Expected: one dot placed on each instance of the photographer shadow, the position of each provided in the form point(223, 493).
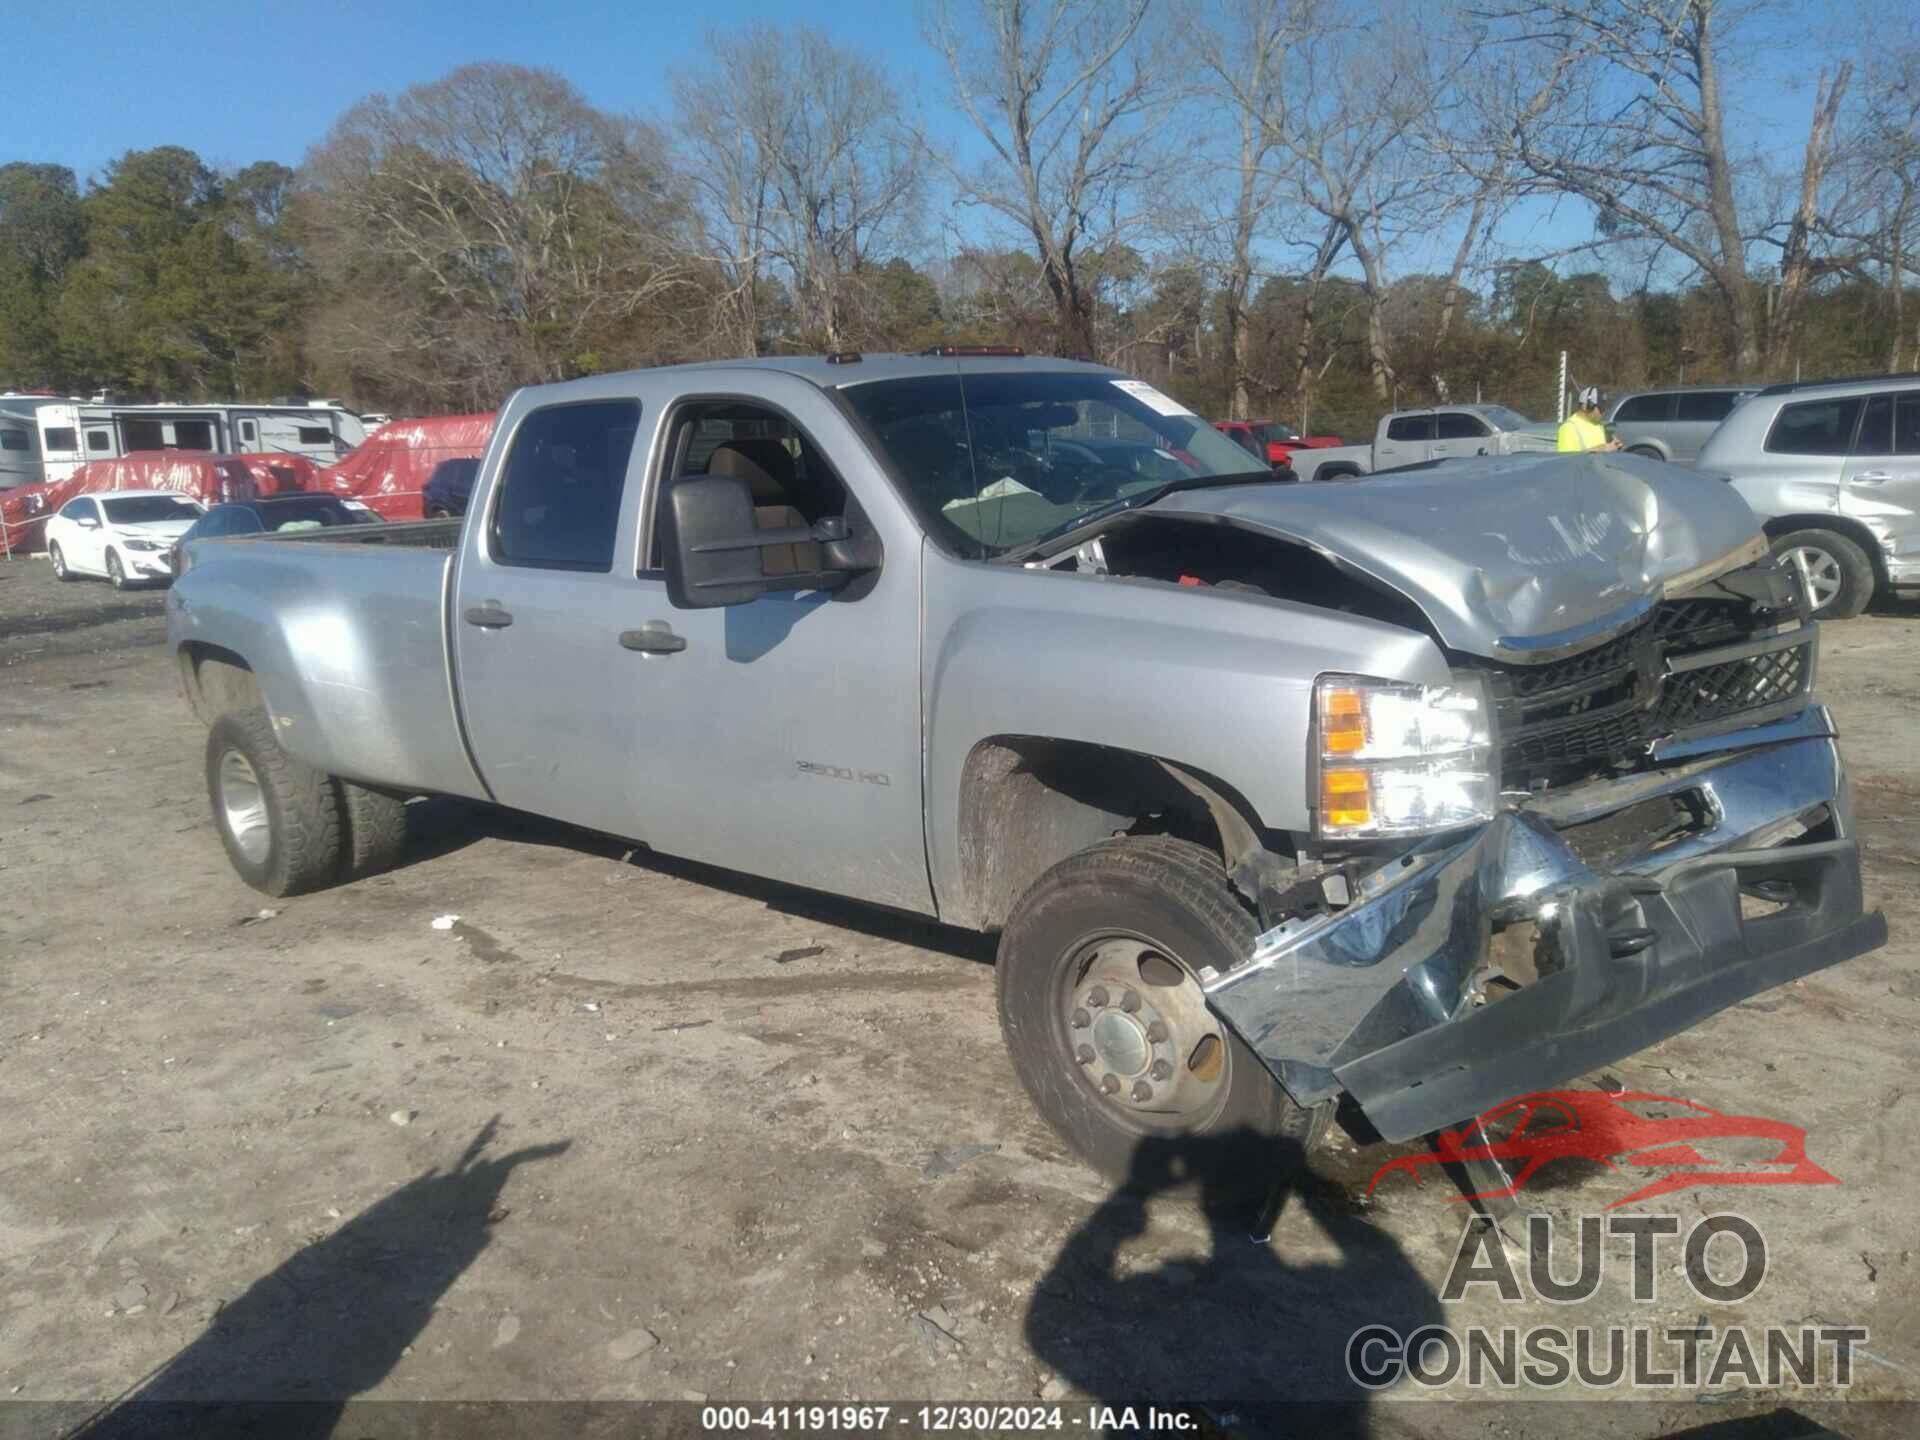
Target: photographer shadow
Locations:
point(1242, 1328)
point(329, 1323)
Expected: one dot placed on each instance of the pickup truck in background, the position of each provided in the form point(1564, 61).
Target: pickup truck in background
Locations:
point(1271, 792)
point(1410, 437)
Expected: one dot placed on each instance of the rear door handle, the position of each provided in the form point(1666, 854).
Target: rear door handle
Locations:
point(488, 616)
point(656, 637)
point(1872, 477)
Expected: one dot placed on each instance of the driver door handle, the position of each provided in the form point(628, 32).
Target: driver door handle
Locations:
point(1873, 477)
point(488, 616)
point(656, 637)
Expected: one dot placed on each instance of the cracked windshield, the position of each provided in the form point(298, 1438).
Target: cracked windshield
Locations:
point(1004, 459)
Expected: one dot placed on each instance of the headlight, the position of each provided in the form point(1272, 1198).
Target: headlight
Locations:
point(145, 545)
point(1399, 759)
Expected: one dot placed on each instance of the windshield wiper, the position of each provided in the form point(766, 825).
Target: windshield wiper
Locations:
point(1129, 502)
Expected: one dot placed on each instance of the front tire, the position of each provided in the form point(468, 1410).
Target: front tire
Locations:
point(1832, 567)
point(116, 572)
point(59, 562)
point(1103, 1015)
point(280, 820)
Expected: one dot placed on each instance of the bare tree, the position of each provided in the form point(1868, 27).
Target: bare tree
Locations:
point(807, 167)
point(1060, 90)
point(1240, 49)
point(485, 231)
point(1623, 105)
point(1364, 82)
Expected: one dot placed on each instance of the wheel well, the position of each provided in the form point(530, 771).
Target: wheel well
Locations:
point(1028, 803)
point(216, 680)
point(1777, 525)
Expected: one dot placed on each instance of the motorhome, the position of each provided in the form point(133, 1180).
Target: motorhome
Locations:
point(46, 437)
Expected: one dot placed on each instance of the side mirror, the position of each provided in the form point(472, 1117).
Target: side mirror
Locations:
point(712, 546)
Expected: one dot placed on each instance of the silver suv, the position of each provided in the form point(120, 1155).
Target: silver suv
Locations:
point(1833, 469)
point(1673, 424)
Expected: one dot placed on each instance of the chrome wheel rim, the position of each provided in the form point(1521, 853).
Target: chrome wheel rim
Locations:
point(114, 572)
point(59, 562)
point(243, 807)
point(1137, 1029)
point(1819, 573)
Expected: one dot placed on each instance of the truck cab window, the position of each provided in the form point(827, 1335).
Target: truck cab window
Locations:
point(791, 481)
point(560, 486)
point(1455, 425)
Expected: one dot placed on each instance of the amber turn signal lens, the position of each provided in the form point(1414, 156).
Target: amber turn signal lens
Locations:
point(1343, 722)
point(1345, 799)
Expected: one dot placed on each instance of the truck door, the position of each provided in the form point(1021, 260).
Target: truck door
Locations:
point(1408, 439)
point(1880, 483)
point(781, 737)
point(1455, 432)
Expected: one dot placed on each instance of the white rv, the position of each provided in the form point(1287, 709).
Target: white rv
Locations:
point(47, 438)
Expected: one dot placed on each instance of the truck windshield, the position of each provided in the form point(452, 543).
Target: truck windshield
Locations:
point(993, 461)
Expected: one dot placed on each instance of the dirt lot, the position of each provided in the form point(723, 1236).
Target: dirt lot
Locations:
point(635, 1129)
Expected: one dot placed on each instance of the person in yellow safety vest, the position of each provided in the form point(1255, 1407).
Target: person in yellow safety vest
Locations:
point(1582, 429)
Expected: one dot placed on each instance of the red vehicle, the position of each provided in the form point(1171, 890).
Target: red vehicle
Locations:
point(1615, 1131)
point(1272, 439)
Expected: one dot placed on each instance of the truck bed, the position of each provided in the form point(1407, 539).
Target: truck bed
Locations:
point(413, 534)
point(346, 626)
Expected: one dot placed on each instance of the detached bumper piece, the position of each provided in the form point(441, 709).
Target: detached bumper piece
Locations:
point(1568, 933)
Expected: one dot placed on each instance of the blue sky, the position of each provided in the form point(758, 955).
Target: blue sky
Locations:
point(242, 82)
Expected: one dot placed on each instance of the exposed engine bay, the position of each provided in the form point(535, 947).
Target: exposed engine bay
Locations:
point(1736, 650)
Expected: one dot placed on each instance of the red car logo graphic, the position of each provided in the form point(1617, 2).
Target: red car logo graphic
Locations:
point(1526, 1133)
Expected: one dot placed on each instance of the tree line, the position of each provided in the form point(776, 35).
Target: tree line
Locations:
point(1306, 209)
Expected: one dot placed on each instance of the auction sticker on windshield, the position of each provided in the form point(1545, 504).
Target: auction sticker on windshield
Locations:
point(1152, 398)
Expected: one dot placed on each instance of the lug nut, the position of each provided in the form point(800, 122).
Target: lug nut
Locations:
point(1157, 1031)
point(1097, 996)
point(1161, 1070)
point(1110, 1084)
point(1129, 1001)
point(1142, 1092)
point(1084, 1054)
point(1081, 1019)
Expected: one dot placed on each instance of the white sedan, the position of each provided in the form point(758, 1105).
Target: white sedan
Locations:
point(123, 535)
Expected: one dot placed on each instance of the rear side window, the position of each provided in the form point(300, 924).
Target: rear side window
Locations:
point(1457, 427)
point(1410, 427)
point(99, 440)
point(560, 486)
point(1643, 408)
point(315, 435)
point(1711, 405)
point(1891, 426)
point(63, 439)
point(13, 439)
point(1814, 427)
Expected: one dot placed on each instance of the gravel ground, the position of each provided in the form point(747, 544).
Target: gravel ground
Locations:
point(635, 1129)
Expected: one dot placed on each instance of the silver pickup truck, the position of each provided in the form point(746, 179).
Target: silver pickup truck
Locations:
point(1432, 791)
point(1414, 437)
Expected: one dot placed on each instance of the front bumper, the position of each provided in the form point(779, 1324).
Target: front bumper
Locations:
point(1405, 1000)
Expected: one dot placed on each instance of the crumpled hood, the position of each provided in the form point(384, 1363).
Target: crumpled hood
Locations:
point(1515, 557)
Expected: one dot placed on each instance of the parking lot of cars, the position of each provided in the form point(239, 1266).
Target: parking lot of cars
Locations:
point(540, 1116)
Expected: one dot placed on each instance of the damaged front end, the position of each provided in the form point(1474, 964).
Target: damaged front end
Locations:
point(1674, 834)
